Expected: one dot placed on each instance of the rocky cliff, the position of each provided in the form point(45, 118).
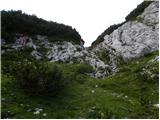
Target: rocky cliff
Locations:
point(67, 52)
point(134, 38)
point(131, 39)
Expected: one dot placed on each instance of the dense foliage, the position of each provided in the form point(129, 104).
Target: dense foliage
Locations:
point(137, 11)
point(18, 22)
point(35, 77)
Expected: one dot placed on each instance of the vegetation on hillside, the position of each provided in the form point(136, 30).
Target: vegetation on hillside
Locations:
point(38, 77)
point(18, 22)
point(37, 89)
point(130, 93)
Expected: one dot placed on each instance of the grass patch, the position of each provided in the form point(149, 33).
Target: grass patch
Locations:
point(123, 95)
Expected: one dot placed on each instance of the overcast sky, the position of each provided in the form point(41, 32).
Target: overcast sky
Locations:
point(89, 17)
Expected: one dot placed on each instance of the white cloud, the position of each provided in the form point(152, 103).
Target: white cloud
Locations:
point(89, 17)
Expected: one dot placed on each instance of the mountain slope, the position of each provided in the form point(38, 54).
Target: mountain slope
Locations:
point(46, 40)
point(131, 93)
point(53, 76)
point(133, 38)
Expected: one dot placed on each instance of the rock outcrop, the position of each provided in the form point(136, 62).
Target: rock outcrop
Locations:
point(130, 40)
point(41, 48)
point(134, 38)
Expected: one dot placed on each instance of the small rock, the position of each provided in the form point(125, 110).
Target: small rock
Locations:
point(36, 112)
point(3, 99)
point(156, 59)
point(126, 96)
point(93, 91)
point(36, 109)
point(44, 114)
point(40, 110)
point(21, 104)
point(156, 105)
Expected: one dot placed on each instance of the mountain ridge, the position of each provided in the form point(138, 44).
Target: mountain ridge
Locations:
point(119, 43)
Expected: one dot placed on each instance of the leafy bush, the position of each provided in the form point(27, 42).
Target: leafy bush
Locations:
point(39, 78)
point(16, 55)
point(81, 78)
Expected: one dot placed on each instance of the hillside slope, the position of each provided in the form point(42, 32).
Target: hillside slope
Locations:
point(47, 72)
point(45, 40)
point(133, 38)
point(131, 93)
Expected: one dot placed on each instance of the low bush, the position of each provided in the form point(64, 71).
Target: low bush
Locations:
point(150, 73)
point(84, 68)
point(39, 78)
point(81, 78)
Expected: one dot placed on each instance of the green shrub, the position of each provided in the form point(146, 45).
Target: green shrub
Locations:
point(81, 78)
point(84, 68)
point(39, 78)
point(17, 55)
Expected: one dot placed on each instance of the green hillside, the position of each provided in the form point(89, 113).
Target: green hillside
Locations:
point(130, 93)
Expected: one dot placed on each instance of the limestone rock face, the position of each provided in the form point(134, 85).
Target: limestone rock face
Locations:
point(134, 38)
point(66, 52)
point(70, 53)
point(151, 14)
